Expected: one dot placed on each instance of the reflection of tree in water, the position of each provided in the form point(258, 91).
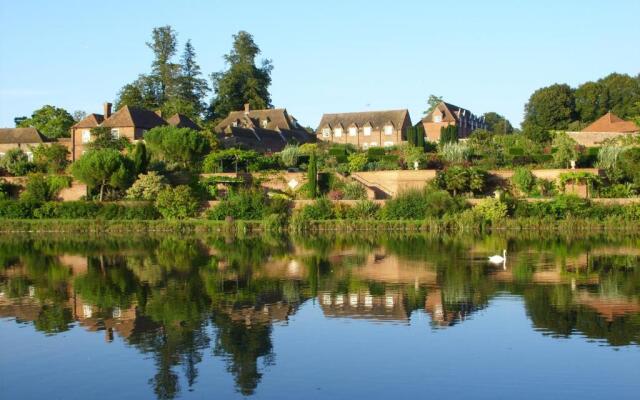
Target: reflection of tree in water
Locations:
point(242, 344)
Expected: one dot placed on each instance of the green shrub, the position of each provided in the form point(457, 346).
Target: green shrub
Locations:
point(321, 209)
point(491, 209)
point(13, 209)
point(440, 202)
point(67, 210)
point(248, 205)
point(523, 180)
point(406, 205)
point(354, 191)
point(357, 162)
point(16, 162)
point(177, 203)
point(363, 210)
point(114, 211)
point(147, 187)
point(40, 187)
point(289, 155)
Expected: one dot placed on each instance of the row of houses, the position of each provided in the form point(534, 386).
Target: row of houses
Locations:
point(270, 130)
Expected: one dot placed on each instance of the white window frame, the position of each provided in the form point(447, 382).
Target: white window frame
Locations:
point(86, 136)
point(437, 118)
point(326, 132)
point(115, 133)
point(366, 131)
point(353, 131)
point(337, 132)
point(388, 130)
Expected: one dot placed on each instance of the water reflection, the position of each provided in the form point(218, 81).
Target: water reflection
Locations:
point(177, 299)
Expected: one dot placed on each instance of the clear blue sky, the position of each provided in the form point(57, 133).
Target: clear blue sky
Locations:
point(329, 56)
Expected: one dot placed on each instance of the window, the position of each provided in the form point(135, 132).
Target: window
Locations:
point(353, 300)
point(388, 130)
point(337, 132)
point(86, 136)
point(367, 131)
point(115, 133)
point(265, 122)
point(365, 145)
point(326, 132)
point(234, 124)
point(29, 156)
point(388, 144)
point(353, 131)
point(437, 118)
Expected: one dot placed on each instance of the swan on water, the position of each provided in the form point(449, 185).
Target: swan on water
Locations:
point(499, 259)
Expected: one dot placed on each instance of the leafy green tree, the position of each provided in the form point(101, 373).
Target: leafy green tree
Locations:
point(433, 102)
point(243, 82)
point(411, 136)
point(40, 187)
point(549, 108)
point(16, 162)
point(566, 149)
point(102, 138)
point(103, 168)
point(523, 180)
point(143, 93)
point(420, 134)
point(592, 101)
point(50, 158)
point(51, 121)
point(497, 123)
point(623, 94)
point(312, 175)
point(181, 146)
point(177, 203)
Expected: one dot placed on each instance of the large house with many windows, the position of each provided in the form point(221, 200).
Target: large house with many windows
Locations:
point(128, 122)
point(365, 129)
point(445, 114)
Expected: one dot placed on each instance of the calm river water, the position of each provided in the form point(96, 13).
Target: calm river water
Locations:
point(319, 317)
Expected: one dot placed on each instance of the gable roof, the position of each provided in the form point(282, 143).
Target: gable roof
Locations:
point(90, 121)
point(451, 112)
point(611, 123)
point(182, 121)
point(377, 119)
point(129, 116)
point(21, 135)
point(277, 118)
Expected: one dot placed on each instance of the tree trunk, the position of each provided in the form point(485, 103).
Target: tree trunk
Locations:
point(102, 190)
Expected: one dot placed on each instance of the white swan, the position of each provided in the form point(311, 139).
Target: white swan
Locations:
point(499, 259)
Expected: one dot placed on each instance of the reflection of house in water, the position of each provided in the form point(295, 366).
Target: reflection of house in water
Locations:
point(608, 307)
point(364, 305)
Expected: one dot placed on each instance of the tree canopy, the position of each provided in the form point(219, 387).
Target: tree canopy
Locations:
point(103, 168)
point(53, 122)
point(549, 108)
point(181, 146)
point(243, 82)
point(497, 123)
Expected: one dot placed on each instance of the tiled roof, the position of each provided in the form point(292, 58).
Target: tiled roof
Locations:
point(377, 119)
point(451, 112)
point(128, 116)
point(90, 121)
point(276, 118)
point(612, 123)
point(182, 121)
point(21, 135)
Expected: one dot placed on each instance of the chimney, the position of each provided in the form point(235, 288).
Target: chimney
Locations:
point(246, 108)
point(107, 110)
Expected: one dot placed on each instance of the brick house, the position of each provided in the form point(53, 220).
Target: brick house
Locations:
point(265, 131)
point(128, 122)
point(609, 126)
point(445, 114)
point(365, 129)
point(25, 139)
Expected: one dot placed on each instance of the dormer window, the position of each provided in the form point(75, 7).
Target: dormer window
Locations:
point(353, 131)
point(264, 123)
point(388, 130)
point(337, 132)
point(326, 132)
point(437, 118)
point(367, 131)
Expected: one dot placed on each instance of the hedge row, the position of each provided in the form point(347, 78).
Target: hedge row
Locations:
point(15, 209)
